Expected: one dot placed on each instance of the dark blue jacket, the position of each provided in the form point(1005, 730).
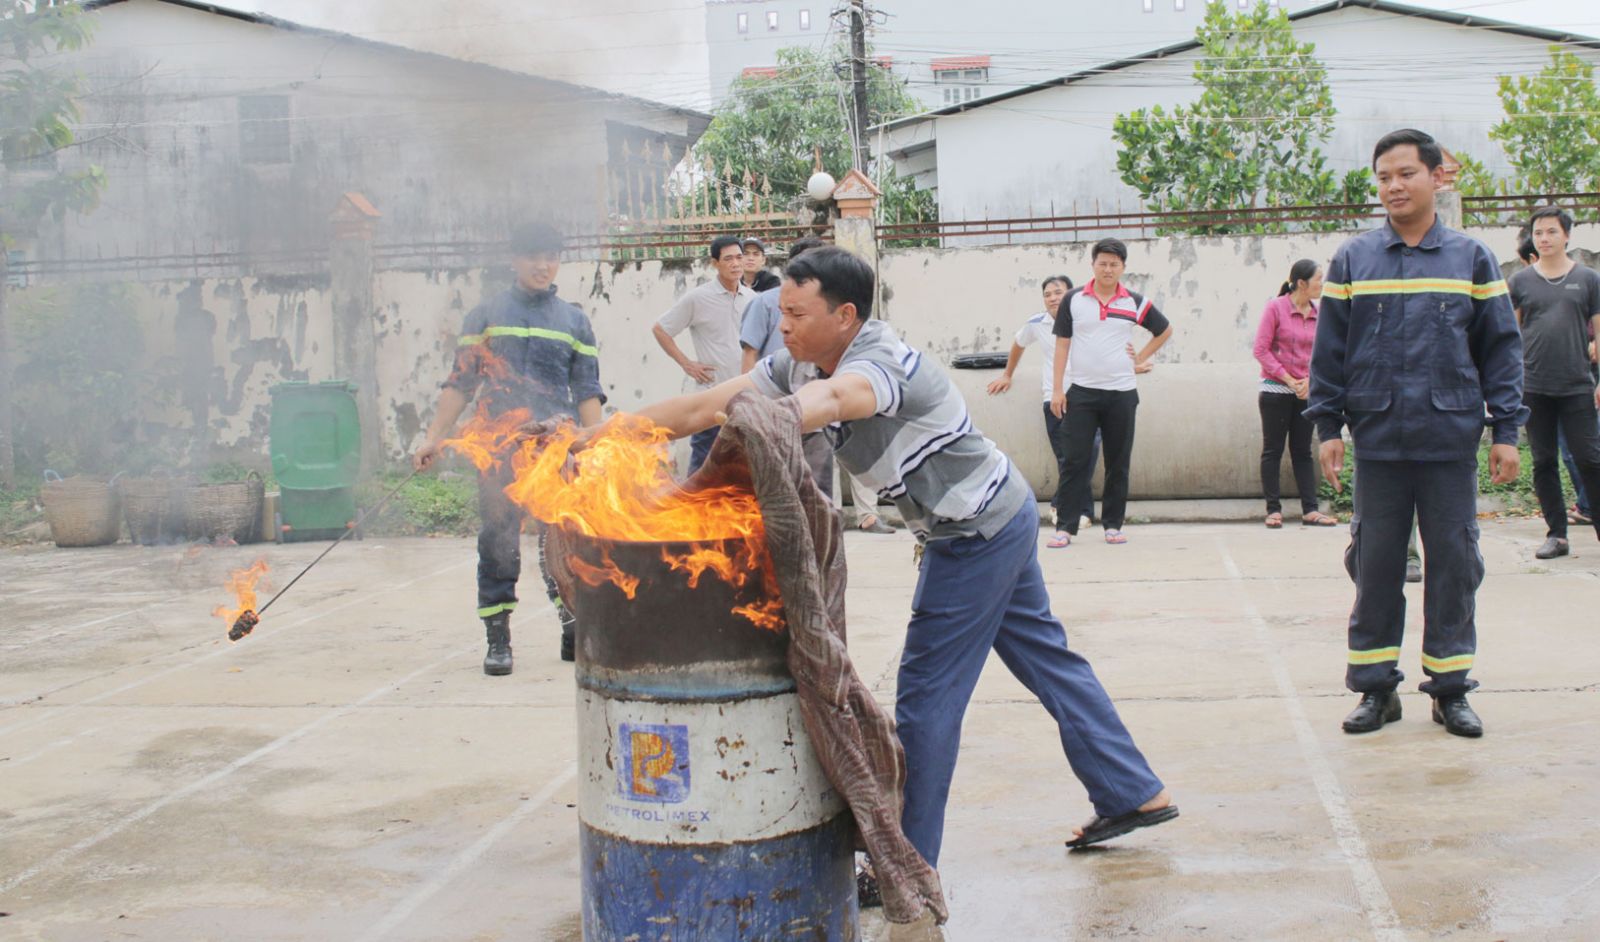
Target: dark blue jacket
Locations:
point(1412, 345)
point(528, 350)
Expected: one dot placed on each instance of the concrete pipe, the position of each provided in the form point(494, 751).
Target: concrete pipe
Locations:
point(1198, 432)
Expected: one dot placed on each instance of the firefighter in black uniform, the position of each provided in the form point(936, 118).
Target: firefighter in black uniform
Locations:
point(525, 348)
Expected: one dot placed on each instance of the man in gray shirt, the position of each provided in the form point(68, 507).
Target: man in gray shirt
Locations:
point(711, 312)
point(760, 337)
point(897, 422)
point(1558, 305)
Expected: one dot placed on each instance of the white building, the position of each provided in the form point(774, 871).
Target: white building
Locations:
point(1047, 149)
point(951, 51)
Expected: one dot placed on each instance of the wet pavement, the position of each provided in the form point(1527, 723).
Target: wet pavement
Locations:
point(347, 772)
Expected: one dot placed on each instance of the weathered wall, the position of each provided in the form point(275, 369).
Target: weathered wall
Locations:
point(225, 342)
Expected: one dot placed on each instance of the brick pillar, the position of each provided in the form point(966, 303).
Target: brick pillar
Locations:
point(856, 226)
point(1448, 205)
point(354, 342)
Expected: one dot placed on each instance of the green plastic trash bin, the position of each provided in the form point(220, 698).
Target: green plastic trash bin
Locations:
point(315, 436)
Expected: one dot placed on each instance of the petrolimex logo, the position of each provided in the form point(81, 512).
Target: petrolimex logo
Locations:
point(655, 762)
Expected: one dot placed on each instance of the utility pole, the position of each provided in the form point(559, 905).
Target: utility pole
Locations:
point(858, 79)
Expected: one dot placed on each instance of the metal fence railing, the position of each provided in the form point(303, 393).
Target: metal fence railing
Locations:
point(1476, 210)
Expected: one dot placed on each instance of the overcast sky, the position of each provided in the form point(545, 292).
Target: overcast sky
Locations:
point(656, 48)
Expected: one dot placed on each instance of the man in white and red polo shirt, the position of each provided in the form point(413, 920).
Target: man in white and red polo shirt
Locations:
point(1094, 329)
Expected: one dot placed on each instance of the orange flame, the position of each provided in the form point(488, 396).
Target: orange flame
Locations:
point(486, 441)
point(609, 571)
point(620, 487)
point(242, 583)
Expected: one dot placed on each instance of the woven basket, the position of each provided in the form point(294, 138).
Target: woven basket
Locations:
point(81, 511)
point(155, 509)
point(231, 509)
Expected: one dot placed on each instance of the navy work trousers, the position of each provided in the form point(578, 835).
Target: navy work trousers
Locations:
point(500, 547)
point(975, 595)
point(1443, 497)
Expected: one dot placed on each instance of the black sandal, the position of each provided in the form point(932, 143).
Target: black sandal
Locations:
point(1104, 829)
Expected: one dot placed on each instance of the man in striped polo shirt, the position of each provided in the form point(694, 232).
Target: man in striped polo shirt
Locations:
point(524, 348)
point(1417, 349)
point(896, 421)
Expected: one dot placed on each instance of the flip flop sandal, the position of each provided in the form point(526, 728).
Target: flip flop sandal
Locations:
point(1318, 519)
point(1116, 537)
point(1104, 829)
point(1274, 521)
point(1061, 539)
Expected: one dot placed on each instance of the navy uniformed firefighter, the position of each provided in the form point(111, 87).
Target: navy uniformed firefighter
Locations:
point(525, 348)
point(1417, 349)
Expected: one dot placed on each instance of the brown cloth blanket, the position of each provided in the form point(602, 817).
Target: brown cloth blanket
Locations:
point(853, 736)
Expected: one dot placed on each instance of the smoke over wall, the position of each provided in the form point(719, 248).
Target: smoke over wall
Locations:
point(650, 48)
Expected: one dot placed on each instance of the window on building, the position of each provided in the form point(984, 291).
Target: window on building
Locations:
point(264, 129)
point(744, 22)
point(772, 20)
point(1149, 6)
point(805, 19)
point(961, 85)
point(1177, 5)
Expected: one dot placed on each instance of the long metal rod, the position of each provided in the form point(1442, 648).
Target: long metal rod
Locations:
point(348, 530)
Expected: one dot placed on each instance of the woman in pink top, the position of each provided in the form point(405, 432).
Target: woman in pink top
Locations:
point(1283, 348)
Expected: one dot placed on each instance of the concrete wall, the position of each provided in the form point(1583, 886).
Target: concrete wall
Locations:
point(1053, 148)
point(223, 343)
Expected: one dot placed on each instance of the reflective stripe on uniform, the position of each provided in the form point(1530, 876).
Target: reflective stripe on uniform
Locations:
point(1375, 656)
point(497, 609)
point(1446, 665)
point(1356, 289)
point(543, 333)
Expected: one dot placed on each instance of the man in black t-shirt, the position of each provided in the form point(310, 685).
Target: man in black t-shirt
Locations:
point(1557, 302)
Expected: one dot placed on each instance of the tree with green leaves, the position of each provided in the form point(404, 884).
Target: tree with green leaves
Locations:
point(770, 125)
point(1253, 139)
point(38, 106)
point(1551, 132)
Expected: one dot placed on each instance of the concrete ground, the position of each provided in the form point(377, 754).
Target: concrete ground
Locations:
point(348, 773)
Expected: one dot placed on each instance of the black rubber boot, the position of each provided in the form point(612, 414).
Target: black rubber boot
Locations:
point(498, 661)
point(569, 632)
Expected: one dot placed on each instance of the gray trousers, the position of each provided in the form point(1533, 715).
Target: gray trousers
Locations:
point(1443, 497)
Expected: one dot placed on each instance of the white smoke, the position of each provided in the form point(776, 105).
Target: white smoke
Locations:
point(650, 48)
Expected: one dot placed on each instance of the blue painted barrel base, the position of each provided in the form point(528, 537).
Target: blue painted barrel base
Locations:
point(800, 886)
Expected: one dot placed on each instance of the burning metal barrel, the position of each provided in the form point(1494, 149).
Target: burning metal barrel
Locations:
point(704, 813)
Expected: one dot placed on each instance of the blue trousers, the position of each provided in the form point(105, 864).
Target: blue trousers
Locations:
point(1443, 498)
point(700, 446)
point(975, 595)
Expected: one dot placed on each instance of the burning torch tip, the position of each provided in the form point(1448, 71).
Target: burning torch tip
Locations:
point(243, 625)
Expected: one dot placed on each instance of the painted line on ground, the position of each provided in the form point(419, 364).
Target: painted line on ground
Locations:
point(401, 913)
point(48, 588)
point(1375, 902)
point(90, 624)
point(68, 740)
point(56, 712)
point(129, 820)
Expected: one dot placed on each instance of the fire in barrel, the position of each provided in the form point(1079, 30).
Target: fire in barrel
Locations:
point(704, 813)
